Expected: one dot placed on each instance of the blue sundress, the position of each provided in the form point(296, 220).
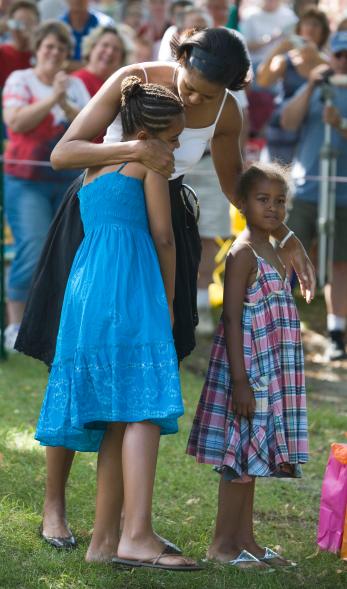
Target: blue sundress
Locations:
point(115, 358)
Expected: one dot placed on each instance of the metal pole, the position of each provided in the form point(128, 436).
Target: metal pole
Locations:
point(3, 354)
point(326, 211)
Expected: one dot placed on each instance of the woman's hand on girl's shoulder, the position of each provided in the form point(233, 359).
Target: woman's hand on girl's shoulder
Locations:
point(156, 155)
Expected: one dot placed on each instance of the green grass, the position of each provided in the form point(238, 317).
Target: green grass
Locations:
point(184, 506)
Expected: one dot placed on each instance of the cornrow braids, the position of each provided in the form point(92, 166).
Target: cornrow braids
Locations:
point(147, 106)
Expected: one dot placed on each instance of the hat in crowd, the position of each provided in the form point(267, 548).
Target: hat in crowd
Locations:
point(338, 42)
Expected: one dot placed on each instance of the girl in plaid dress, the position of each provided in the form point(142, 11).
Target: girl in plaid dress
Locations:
point(251, 418)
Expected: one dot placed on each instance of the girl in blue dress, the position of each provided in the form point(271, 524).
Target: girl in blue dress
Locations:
point(114, 384)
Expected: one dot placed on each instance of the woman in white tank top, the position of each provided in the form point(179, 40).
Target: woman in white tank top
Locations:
point(210, 61)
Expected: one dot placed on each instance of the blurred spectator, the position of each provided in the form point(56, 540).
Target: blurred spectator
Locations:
point(39, 103)
point(291, 62)
point(23, 17)
point(133, 14)
point(177, 12)
point(82, 19)
point(342, 24)
point(233, 18)
point(156, 23)
point(262, 29)
point(264, 26)
point(112, 8)
point(52, 8)
point(307, 111)
point(143, 50)
point(299, 6)
point(103, 52)
point(218, 10)
point(4, 6)
point(196, 18)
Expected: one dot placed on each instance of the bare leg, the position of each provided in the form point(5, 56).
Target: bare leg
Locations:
point(234, 523)
point(59, 461)
point(109, 498)
point(140, 450)
point(15, 310)
point(246, 533)
point(225, 544)
point(207, 264)
point(336, 293)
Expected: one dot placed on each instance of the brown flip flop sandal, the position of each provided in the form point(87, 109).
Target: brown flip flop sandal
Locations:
point(154, 563)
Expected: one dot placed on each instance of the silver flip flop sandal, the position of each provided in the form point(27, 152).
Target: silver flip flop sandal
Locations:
point(271, 556)
point(246, 558)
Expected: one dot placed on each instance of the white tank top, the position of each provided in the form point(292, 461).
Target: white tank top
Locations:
point(192, 141)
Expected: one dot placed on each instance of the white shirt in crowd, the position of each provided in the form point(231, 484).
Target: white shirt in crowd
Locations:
point(261, 24)
point(52, 8)
point(165, 49)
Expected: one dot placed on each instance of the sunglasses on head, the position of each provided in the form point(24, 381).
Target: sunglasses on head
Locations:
point(340, 54)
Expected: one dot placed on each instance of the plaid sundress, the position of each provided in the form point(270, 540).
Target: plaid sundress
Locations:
point(274, 364)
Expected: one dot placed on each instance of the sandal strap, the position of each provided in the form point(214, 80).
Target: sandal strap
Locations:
point(269, 553)
point(156, 559)
point(244, 556)
point(163, 554)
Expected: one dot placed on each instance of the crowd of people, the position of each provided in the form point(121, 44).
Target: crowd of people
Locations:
point(290, 47)
point(106, 107)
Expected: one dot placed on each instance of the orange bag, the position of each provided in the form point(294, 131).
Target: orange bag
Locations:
point(343, 553)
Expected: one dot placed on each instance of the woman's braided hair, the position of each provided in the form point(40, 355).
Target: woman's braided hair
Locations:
point(147, 106)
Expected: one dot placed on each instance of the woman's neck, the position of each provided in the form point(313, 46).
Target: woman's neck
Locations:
point(46, 77)
point(21, 44)
point(78, 19)
point(258, 236)
point(94, 70)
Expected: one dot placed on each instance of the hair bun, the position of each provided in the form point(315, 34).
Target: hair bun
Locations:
point(131, 86)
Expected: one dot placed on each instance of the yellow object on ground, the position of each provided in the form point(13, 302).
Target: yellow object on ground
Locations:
point(215, 289)
point(238, 222)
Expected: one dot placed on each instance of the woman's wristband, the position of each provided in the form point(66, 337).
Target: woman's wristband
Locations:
point(283, 242)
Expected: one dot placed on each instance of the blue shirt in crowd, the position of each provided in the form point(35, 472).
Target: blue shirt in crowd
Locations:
point(96, 19)
point(307, 156)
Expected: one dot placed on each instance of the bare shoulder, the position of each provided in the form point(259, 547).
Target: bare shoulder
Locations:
point(241, 253)
point(154, 178)
point(230, 119)
point(153, 72)
point(160, 72)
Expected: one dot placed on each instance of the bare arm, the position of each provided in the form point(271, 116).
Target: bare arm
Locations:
point(77, 150)
point(333, 117)
point(23, 119)
point(271, 70)
point(294, 113)
point(159, 214)
point(226, 149)
point(71, 111)
point(239, 267)
point(296, 109)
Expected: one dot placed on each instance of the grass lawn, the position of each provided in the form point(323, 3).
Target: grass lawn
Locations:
point(184, 506)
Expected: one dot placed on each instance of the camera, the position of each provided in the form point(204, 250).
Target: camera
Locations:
point(15, 25)
point(297, 41)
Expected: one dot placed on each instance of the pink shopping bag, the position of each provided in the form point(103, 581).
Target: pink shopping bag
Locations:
point(333, 500)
